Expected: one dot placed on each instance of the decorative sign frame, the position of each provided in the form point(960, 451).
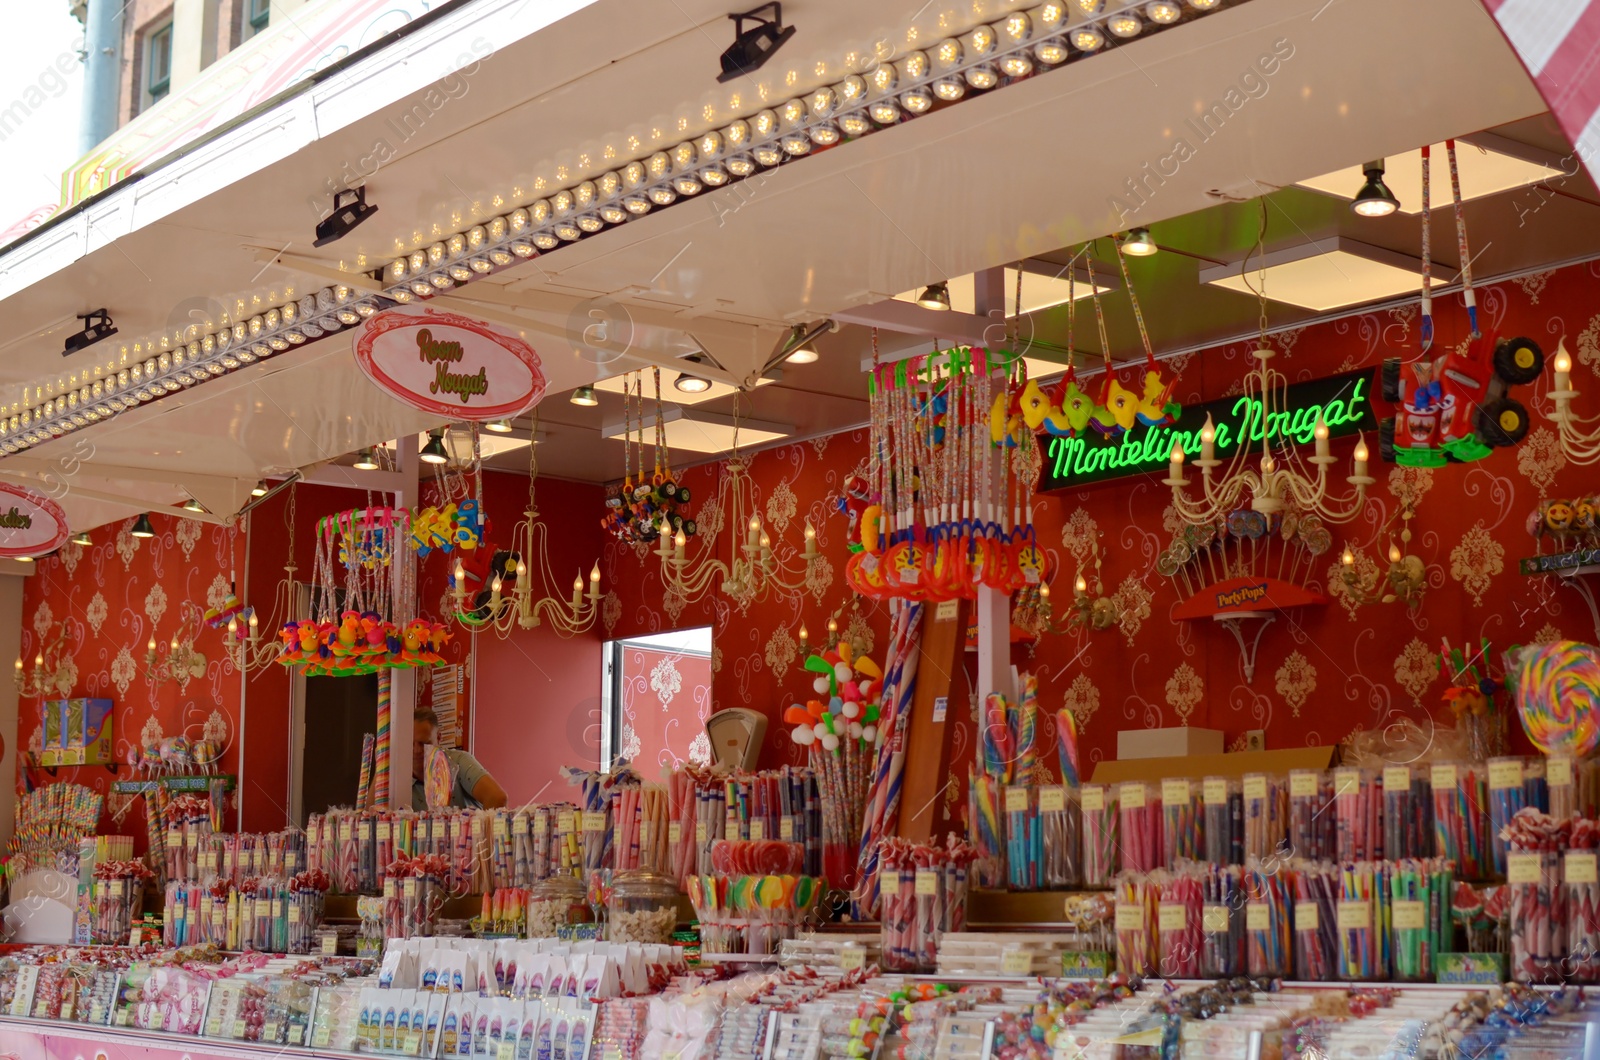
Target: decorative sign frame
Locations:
point(449, 365)
point(31, 524)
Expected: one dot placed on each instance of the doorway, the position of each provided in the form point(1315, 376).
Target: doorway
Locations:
point(341, 711)
point(656, 696)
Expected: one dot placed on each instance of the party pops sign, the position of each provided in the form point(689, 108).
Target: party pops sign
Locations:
point(450, 365)
point(31, 524)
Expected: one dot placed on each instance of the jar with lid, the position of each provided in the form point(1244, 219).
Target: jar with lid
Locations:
point(555, 902)
point(643, 907)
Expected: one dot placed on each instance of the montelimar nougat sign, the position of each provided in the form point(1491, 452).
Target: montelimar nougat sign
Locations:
point(450, 365)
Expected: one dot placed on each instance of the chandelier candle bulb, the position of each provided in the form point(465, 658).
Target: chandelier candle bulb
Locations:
point(1563, 366)
point(1394, 553)
point(1081, 586)
point(1321, 433)
point(679, 543)
point(594, 581)
point(753, 539)
point(494, 593)
point(1361, 462)
point(1348, 558)
point(1208, 443)
point(577, 591)
point(1175, 466)
point(802, 643)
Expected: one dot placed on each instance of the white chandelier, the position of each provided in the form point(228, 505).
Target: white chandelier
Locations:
point(1580, 438)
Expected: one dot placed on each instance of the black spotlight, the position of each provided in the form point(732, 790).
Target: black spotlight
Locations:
point(347, 213)
point(752, 47)
point(1374, 199)
point(96, 326)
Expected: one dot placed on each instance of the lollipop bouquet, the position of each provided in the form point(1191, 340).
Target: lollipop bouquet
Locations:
point(756, 898)
point(1471, 698)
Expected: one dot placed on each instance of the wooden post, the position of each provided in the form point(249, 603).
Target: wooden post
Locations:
point(941, 694)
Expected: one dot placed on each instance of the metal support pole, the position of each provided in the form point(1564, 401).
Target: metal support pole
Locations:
point(102, 72)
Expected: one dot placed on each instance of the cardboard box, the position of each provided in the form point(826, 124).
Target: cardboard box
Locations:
point(96, 734)
point(1220, 765)
point(1086, 964)
point(1478, 969)
point(1178, 742)
point(54, 716)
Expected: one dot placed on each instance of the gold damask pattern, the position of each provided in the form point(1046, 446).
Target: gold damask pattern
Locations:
point(1079, 533)
point(1415, 669)
point(1533, 285)
point(819, 577)
point(1476, 560)
point(1132, 603)
point(95, 613)
point(1366, 572)
point(1408, 484)
point(71, 554)
point(1296, 680)
point(1184, 691)
point(1540, 459)
point(127, 544)
point(155, 602)
point(610, 611)
point(1548, 634)
point(781, 650)
point(1589, 344)
point(187, 533)
point(859, 634)
point(1083, 699)
point(781, 505)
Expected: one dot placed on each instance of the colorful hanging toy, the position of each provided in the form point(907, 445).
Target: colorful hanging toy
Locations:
point(851, 710)
point(645, 509)
point(456, 525)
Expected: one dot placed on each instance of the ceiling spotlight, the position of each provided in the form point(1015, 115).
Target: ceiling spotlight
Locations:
point(935, 296)
point(192, 505)
point(142, 527)
point(82, 538)
point(498, 426)
point(585, 396)
point(347, 213)
point(1136, 242)
point(366, 461)
point(1374, 199)
point(802, 352)
point(433, 452)
point(754, 46)
point(259, 489)
point(96, 326)
point(691, 384)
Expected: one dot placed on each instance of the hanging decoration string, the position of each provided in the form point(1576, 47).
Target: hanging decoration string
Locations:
point(1138, 314)
point(1467, 293)
point(1427, 252)
point(1100, 322)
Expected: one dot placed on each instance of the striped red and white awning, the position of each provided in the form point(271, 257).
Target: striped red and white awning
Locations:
point(1559, 42)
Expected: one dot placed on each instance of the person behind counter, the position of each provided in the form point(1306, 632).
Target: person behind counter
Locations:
point(473, 786)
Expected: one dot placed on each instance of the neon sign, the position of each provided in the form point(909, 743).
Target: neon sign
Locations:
point(1344, 402)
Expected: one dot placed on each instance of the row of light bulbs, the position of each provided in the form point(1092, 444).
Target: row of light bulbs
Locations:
point(1014, 47)
point(170, 366)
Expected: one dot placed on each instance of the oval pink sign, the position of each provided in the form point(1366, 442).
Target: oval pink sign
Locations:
point(31, 524)
point(449, 364)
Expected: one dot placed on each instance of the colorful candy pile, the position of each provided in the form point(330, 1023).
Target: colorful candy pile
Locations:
point(360, 643)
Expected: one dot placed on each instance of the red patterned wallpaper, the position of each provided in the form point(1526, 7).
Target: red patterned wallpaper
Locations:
point(666, 699)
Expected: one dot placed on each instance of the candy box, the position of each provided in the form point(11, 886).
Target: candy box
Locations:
point(1486, 969)
point(1086, 964)
point(88, 730)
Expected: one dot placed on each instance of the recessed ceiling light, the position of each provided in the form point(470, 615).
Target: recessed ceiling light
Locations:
point(713, 389)
point(585, 396)
point(691, 384)
point(1044, 285)
point(708, 432)
point(1323, 275)
point(82, 538)
point(1137, 243)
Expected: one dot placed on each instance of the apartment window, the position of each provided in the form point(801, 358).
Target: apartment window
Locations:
point(257, 13)
point(158, 63)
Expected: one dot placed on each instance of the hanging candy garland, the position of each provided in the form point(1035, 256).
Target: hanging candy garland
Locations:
point(641, 508)
point(371, 630)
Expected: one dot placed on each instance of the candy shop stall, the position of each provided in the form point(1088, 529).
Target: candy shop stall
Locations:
point(530, 617)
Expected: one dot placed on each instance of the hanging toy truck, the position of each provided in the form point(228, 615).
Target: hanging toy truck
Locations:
point(1454, 407)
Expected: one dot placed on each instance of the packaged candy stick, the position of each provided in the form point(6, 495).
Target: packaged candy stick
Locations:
point(1268, 919)
point(1538, 893)
point(1266, 808)
point(1420, 891)
point(1060, 818)
point(1358, 815)
point(1136, 922)
point(1222, 923)
point(1460, 817)
point(1506, 797)
point(1363, 921)
point(1223, 831)
point(1182, 814)
point(1316, 925)
point(1100, 834)
point(1139, 827)
point(1180, 921)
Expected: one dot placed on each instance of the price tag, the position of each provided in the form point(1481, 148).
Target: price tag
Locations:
point(675, 832)
point(1354, 916)
point(1094, 798)
point(1307, 917)
point(1215, 791)
point(321, 1035)
point(519, 825)
point(452, 827)
point(1442, 777)
point(238, 1029)
point(507, 1050)
point(1409, 916)
point(218, 914)
point(1132, 796)
point(1016, 800)
point(67, 1010)
point(1346, 781)
point(1581, 867)
point(502, 827)
point(1303, 785)
point(1255, 787)
point(1504, 774)
point(644, 833)
point(347, 831)
point(247, 909)
point(269, 1032)
point(388, 887)
point(1257, 917)
point(700, 832)
point(384, 830)
point(758, 828)
point(1397, 778)
point(102, 889)
point(438, 830)
point(1172, 916)
point(564, 821)
point(174, 839)
point(1016, 962)
point(786, 829)
point(1558, 772)
point(927, 882)
point(1052, 799)
point(1214, 919)
point(852, 957)
point(1522, 868)
point(1174, 791)
point(294, 912)
point(409, 889)
point(1129, 917)
point(330, 945)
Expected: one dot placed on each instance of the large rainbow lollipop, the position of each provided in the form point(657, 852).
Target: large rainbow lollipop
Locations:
point(1558, 690)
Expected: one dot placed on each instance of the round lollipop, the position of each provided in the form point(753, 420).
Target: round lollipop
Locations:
point(1558, 690)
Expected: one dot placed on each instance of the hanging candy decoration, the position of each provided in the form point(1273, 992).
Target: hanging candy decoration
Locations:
point(456, 525)
point(372, 631)
point(641, 508)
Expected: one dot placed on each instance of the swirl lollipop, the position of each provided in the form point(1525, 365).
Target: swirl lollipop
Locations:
point(1558, 689)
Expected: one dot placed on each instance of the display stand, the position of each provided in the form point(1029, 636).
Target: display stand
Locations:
point(1575, 570)
point(1236, 602)
point(928, 739)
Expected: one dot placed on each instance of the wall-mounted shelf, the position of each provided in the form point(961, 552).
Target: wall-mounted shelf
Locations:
point(1574, 569)
point(198, 784)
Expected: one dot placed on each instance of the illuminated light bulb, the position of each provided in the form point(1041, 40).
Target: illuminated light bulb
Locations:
point(803, 636)
point(1394, 553)
point(1125, 26)
point(1321, 433)
point(1175, 460)
point(1563, 367)
point(1163, 12)
point(1208, 439)
point(173, 644)
point(766, 542)
point(1348, 558)
point(1081, 585)
point(594, 574)
point(233, 626)
point(1044, 590)
point(833, 626)
point(522, 570)
point(254, 624)
point(577, 584)
point(1268, 465)
point(151, 647)
point(495, 585)
point(1361, 455)
point(1087, 39)
point(811, 532)
point(19, 660)
point(38, 661)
